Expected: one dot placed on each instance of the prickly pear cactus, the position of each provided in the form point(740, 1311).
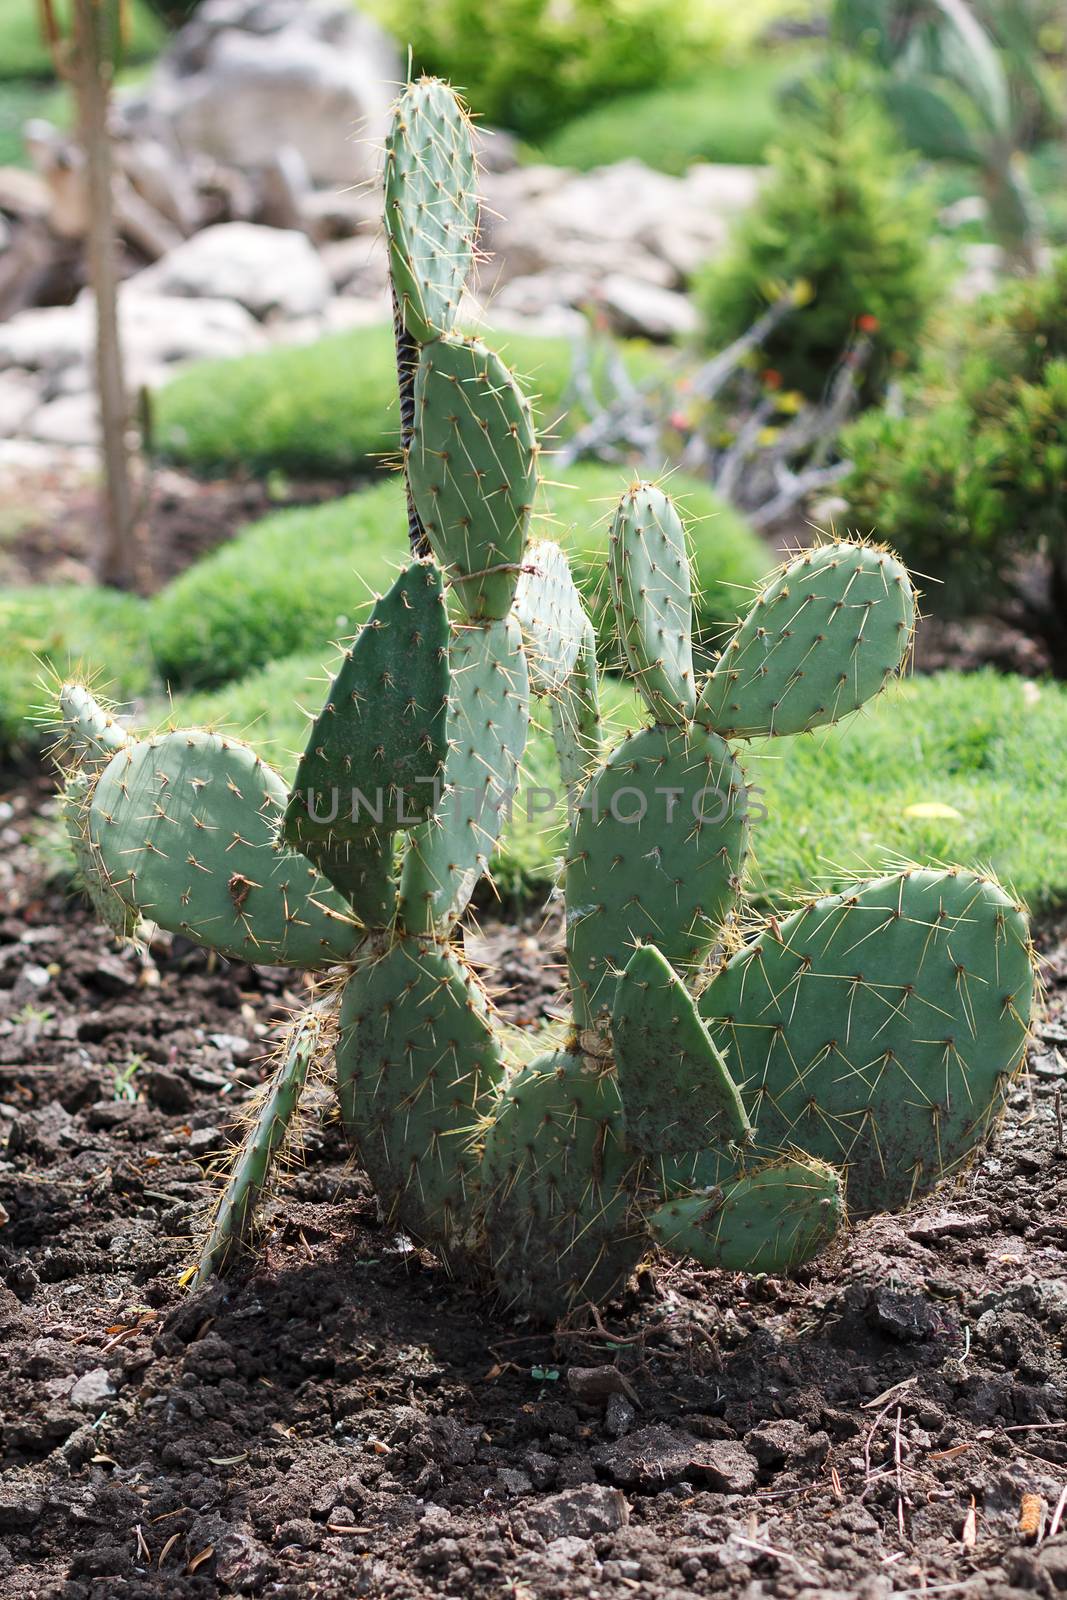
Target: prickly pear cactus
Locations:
point(724, 1107)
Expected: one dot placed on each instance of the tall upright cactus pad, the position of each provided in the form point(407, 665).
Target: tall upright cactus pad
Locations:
point(431, 206)
point(823, 636)
point(488, 722)
point(378, 745)
point(575, 714)
point(268, 1132)
point(472, 467)
point(656, 854)
point(650, 587)
point(770, 1219)
point(374, 758)
point(878, 1028)
point(676, 1092)
point(417, 1060)
point(559, 1187)
point(183, 829)
point(551, 617)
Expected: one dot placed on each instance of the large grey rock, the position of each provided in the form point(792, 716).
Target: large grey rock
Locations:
point(20, 395)
point(645, 309)
point(157, 329)
point(245, 77)
point(269, 271)
point(71, 420)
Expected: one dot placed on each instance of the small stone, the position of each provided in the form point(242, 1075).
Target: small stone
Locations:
point(168, 1091)
point(948, 1224)
point(579, 1513)
point(513, 1482)
point(31, 982)
point(202, 1141)
point(907, 1317)
point(619, 1416)
point(93, 1390)
point(594, 1384)
point(231, 1044)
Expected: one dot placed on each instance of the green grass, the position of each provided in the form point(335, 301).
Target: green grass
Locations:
point(96, 629)
point(836, 802)
point(729, 113)
point(992, 748)
point(24, 54)
point(327, 409)
point(302, 578)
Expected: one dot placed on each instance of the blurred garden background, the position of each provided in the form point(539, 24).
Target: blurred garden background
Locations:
point(808, 259)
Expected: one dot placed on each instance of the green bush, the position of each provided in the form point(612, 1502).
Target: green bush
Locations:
point(327, 409)
point(42, 629)
point(301, 578)
point(729, 113)
point(24, 54)
point(954, 767)
point(971, 472)
point(842, 220)
point(529, 65)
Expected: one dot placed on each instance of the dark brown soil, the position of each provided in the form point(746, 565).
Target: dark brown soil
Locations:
point(50, 522)
point(339, 1420)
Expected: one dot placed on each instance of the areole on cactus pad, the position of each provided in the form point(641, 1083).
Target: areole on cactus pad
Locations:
point(724, 1106)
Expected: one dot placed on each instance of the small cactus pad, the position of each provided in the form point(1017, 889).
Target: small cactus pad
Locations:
point(265, 1136)
point(824, 635)
point(417, 1063)
point(770, 1219)
point(657, 849)
point(558, 1187)
point(487, 726)
point(575, 713)
point(87, 735)
point(377, 747)
point(472, 467)
point(676, 1092)
point(550, 614)
point(185, 827)
point(431, 206)
point(650, 588)
point(878, 1028)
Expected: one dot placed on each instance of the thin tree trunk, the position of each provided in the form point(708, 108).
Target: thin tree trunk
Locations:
point(92, 79)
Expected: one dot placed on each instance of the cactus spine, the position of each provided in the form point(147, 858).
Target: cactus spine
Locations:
point(723, 1108)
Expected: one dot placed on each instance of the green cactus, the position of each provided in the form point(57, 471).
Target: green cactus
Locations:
point(472, 467)
point(417, 1061)
point(431, 207)
point(878, 1028)
point(769, 1219)
point(182, 828)
point(724, 1108)
point(268, 1134)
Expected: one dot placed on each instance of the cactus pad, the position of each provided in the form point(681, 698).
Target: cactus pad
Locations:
point(472, 467)
point(575, 713)
point(820, 639)
point(650, 587)
point(656, 855)
point(558, 1187)
point(184, 827)
point(878, 1028)
point(266, 1135)
point(375, 754)
point(676, 1092)
point(417, 1060)
point(770, 1219)
point(487, 725)
point(431, 206)
point(550, 614)
point(87, 735)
